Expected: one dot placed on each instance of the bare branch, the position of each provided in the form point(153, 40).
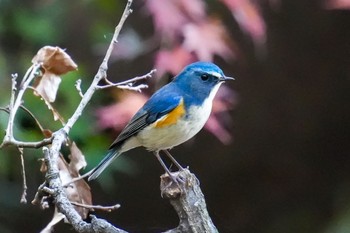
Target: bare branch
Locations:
point(51, 155)
point(137, 88)
point(101, 71)
point(97, 207)
point(16, 102)
point(12, 141)
point(24, 192)
point(128, 83)
point(5, 110)
point(78, 87)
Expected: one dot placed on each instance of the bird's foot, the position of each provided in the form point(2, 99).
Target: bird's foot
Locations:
point(172, 184)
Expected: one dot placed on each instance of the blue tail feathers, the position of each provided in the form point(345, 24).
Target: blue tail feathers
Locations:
point(107, 160)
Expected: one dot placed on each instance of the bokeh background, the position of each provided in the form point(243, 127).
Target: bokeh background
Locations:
point(276, 157)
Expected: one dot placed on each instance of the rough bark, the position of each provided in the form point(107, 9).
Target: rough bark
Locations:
point(189, 203)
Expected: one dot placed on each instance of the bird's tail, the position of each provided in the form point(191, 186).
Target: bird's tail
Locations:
point(108, 159)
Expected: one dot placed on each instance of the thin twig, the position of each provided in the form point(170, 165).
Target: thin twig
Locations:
point(55, 113)
point(33, 117)
point(123, 84)
point(97, 207)
point(44, 142)
point(101, 73)
point(78, 87)
point(5, 110)
point(15, 102)
point(24, 192)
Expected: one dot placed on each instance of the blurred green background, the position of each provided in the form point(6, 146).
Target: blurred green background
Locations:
point(288, 168)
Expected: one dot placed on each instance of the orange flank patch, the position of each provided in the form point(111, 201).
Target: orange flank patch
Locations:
point(172, 116)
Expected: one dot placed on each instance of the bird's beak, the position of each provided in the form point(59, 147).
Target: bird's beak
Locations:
point(226, 78)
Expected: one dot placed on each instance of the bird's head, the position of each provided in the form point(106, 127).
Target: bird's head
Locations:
point(201, 80)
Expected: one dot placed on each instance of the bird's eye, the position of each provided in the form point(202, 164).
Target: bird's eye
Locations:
point(204, 77)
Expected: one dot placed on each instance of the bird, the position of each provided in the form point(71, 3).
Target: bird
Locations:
point(171, 116)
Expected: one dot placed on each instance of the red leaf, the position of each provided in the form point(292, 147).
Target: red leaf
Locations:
point(172, 61)
point(207, 39)
point(169, 16)
point(248, 17)
point(116, 116)
point(337, 4)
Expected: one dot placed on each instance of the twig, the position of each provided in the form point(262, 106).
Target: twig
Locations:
point(123, 84)
point(133, 88)
point(5, 110)
point(78, 87)
point(97, 207)
point(39, 194)
point(16, 102)
point(101, 73)
point(55, 113)
point(38, 144)
point(24, 192)
point(33, 117)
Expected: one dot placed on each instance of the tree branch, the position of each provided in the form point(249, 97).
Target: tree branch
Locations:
point(189, 203)
point(102, 71)
point(59, 137)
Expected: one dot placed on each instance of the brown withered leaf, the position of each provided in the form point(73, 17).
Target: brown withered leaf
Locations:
point(47, 86)
point(77, 159)
point(54, 62)
point(78, 191)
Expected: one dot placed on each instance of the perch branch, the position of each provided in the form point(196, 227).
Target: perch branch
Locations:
point(188, 202)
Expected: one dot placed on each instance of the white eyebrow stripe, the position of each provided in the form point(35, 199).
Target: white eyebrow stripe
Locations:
point(216, 74)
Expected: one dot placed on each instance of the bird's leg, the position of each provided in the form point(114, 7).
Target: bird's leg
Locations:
point(173, 178)
point(173, 160)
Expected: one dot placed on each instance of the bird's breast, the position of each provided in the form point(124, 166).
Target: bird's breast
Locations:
point(176, 127)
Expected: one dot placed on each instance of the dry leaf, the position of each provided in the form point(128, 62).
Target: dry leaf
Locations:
point(78, 191)
point(77, 159)
point(54, 62)
point(47, 86)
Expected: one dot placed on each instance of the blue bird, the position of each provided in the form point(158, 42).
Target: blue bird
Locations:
point(173, 115)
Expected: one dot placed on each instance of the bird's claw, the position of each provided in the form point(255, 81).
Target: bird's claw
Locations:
point(173, 185)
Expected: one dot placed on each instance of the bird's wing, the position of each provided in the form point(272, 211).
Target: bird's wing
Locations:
point(161, 103)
